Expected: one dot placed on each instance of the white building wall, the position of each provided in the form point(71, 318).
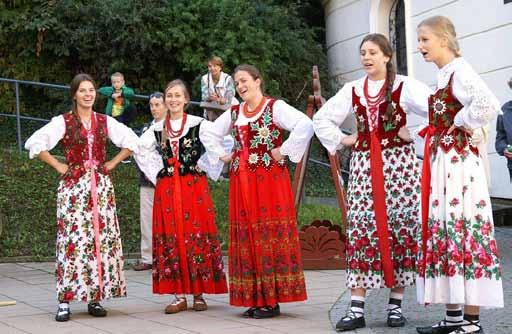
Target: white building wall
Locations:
point(484, 29)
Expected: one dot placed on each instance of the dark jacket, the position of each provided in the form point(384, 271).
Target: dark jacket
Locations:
point(504, 131)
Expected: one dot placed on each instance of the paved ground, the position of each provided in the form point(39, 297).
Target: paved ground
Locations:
point(32, 286)
point(496, 321)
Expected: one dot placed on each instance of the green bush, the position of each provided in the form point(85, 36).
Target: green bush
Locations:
point(28, 196)
point(153, 42)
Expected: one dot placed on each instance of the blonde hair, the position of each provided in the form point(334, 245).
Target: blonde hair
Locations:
point(180, 83)
point(173, 83)
point(117, 75)
point(443, 27)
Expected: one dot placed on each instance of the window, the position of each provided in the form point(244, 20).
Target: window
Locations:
point(397, 35)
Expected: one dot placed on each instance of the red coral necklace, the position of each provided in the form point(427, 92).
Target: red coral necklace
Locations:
point(175, 133)
point(373, 102)
point(251, 113)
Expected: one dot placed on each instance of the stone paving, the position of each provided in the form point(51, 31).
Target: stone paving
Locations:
point(32, 286)
point(495, 321)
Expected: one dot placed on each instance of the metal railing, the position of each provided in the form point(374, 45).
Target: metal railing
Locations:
point(19, 117)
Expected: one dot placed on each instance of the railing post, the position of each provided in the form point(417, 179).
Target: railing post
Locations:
point(18, 121)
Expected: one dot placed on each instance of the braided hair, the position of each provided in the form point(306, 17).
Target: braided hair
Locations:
point(382, 42)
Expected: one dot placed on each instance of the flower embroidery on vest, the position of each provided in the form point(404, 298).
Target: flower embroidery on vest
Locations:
point(443, 107)
point(254, 141)
point(387, 128)
point(439, 106)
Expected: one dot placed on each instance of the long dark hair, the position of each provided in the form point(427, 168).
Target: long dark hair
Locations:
point(75, 83)
point(384, 45)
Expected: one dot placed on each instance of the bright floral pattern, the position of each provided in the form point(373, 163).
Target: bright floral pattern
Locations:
point(187, 257)
point(262, 135)
point(265, 264)
point(461, 265)
point(401, 182)
point(77, 263)
point(76, 268)
point(401, 172)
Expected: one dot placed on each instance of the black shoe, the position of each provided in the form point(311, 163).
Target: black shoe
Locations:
point(266, 312)
point(96, 310)
point(249, 313)
point(462, 330)
point(439, 328)
point(350, 322)
point(396, 318)
point(63, 314)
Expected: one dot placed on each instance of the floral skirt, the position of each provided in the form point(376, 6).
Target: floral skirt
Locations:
point(77, 264)
point(462, 260)
point(265, 264)
point(402, 186)
point(187, 256)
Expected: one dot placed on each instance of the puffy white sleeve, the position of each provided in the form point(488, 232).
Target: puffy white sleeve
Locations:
point(214, 170)
point(121, 135)
point(47, 137)
point(414, 97)
point(300, 127)
point(147, 157)
point(480, 104)
point(327, 121)
point(212, 135)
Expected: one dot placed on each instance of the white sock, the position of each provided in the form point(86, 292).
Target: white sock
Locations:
point(395, 304)
point(356, 306)
point(453, 317)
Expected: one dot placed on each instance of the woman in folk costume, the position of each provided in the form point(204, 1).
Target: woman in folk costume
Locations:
point(460, 261)
point(384, 188)
point(265, 265)
point(187, 257)
point(89, 254)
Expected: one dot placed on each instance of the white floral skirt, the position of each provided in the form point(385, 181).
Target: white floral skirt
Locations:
point(402, 186)
point(77, 265)
point(462, 259)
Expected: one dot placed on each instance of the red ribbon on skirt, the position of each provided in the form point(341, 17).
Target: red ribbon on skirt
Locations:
point(379, 205)
point(427, 133)
point(178, 212)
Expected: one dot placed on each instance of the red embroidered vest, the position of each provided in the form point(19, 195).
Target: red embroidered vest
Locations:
point(75, 148)
point(442, 108)
point(387, 129)
point(254, 141)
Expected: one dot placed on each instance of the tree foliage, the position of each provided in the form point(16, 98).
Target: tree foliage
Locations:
point(155, 41)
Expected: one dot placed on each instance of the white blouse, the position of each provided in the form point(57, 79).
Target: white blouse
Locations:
point(480, 104)
point(327, 121)
point(47, 137)
point(283, 115)
point(150, 161)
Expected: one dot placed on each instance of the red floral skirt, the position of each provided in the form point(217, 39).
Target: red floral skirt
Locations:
point(265, 264)
point(187, 257)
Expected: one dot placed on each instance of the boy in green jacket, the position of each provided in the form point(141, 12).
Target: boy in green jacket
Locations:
point(118, 104)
